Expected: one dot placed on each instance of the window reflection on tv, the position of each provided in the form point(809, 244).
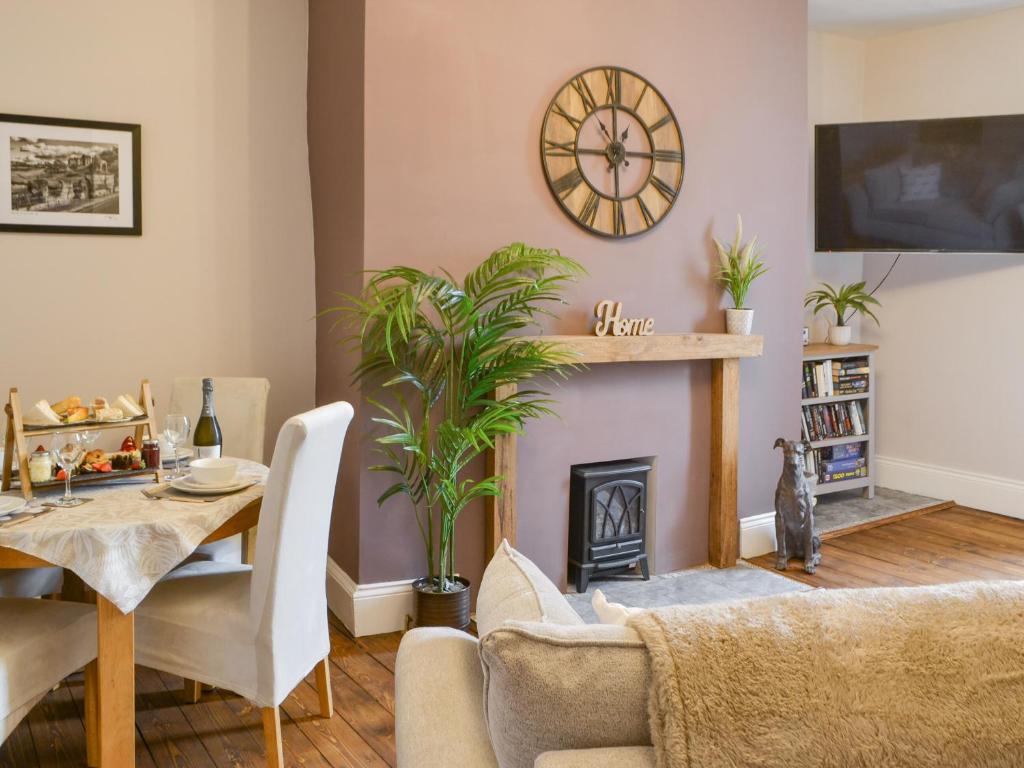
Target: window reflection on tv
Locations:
point(955, 185)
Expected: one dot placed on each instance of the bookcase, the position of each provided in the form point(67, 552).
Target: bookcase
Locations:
point(838, 416)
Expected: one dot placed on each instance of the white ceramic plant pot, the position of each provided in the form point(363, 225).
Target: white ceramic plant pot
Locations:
point(739, 321)
point(839, 335)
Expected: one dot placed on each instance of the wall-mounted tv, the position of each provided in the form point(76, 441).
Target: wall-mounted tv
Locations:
point(954, 185)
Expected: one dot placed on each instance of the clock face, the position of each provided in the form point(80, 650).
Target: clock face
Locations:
point(612, 152)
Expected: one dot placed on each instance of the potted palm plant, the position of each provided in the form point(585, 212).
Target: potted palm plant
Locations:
point(436, 350)
point(739, 266)
point(846, 301)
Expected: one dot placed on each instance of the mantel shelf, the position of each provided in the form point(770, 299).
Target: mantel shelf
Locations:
point(659, 347)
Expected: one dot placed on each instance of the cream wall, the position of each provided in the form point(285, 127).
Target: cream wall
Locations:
point(952, 337)
point(835, 94)
point(950, 414)
point(221, 281)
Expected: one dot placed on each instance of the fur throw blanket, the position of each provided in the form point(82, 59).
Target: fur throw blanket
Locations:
point(910, 678)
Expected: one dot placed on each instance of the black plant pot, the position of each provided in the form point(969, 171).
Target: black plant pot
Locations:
point(441, 609)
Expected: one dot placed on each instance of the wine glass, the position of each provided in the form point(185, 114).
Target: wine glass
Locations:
point(89, 439)
point(67, 449)
point(176, 430)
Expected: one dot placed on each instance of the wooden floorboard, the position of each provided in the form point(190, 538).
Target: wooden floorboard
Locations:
point(224, 730)
point(940, 545)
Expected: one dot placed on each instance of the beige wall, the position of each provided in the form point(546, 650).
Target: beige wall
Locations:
point(952, 335)
point(221, 281)
point(835, 94)
point(455, 91)
point(950, 415)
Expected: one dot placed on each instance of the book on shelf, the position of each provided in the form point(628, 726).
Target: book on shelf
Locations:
point(846, 461)
point(825, 421)
point(828, 378)
point(836, 477)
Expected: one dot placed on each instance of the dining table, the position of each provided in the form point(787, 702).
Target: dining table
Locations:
point(121, 543)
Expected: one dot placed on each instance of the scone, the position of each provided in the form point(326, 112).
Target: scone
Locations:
point(76, 414)
point(66, 405)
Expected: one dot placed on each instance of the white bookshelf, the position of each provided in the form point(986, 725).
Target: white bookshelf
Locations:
point(818, 353)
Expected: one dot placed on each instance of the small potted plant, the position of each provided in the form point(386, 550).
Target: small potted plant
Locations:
point(739, 266)
point(847, 301)
point(437, 349)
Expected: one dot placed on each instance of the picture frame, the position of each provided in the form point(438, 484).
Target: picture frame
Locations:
point(66, 176)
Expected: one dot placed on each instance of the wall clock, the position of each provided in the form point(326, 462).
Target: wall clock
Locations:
point(612, 152)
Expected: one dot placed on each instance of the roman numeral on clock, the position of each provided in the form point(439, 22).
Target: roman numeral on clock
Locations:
point(668, 155)
point(558, 148)
point(666, 191)
point(661, 123)
point(574, 122)
point(645, 212)
point(619, 217)
point(564, 185)
point(613, 79)
point(586, 95)
point(588, 212)
point(640, 98)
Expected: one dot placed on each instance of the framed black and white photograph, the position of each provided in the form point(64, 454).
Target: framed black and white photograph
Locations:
point(70, 176)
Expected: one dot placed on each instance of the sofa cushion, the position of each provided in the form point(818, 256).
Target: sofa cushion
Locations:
point(550, 687)
point(615, 757)
point(512, 587)
point(883, 182)
point(920, 182)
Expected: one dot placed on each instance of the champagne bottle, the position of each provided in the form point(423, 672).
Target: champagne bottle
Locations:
point(207, 439)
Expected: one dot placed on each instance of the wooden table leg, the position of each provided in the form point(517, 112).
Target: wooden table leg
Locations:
point(723, 520)
point(249, 546)
point(500, 519)
point(92, 741)
point(115, 673)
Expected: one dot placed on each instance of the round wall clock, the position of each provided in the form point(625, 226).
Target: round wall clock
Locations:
point(612, 152)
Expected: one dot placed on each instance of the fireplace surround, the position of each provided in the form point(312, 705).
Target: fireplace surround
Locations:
point(607, 519)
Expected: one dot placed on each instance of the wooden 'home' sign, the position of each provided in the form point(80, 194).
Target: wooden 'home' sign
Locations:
point(610, 320)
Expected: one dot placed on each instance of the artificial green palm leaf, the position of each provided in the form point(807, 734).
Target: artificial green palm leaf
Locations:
point(449, 346)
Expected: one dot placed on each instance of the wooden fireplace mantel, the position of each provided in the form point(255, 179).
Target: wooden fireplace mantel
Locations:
point(724, 351)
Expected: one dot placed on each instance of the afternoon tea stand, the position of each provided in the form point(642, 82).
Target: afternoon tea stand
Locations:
point(20, 435)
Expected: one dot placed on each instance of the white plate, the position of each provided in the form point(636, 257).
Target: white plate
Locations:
point(11, 504)
point(188, 486)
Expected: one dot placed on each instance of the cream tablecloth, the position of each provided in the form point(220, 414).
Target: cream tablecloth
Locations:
point(122, 543)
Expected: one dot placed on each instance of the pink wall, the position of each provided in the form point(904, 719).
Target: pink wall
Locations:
point(455, 94)
point(335, 135)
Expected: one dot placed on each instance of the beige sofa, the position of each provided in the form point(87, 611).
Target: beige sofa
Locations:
point(915, 677)
point(540, 688)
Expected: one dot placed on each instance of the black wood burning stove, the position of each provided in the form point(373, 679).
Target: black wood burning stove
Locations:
point(607, 519)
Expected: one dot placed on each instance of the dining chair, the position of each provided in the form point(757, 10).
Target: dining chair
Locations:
point(30, 582)
point(259, 630)
point(41, 643)
point(241, 405)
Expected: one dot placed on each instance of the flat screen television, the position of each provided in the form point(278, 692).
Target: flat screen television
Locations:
point(954, 185)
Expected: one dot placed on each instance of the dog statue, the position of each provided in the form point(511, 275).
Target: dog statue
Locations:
point(794, 509)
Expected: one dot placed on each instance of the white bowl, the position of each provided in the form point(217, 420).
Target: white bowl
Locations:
point(213, 471)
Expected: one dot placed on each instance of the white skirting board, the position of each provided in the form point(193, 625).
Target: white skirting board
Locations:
point(368, 609)
point(757, 535)
point(1001, 495)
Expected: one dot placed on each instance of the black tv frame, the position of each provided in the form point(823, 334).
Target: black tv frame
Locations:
point(874, 249)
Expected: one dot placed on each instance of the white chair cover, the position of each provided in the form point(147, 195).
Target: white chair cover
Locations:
point(259, 631)
point(241, 406)
point(41, 643)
